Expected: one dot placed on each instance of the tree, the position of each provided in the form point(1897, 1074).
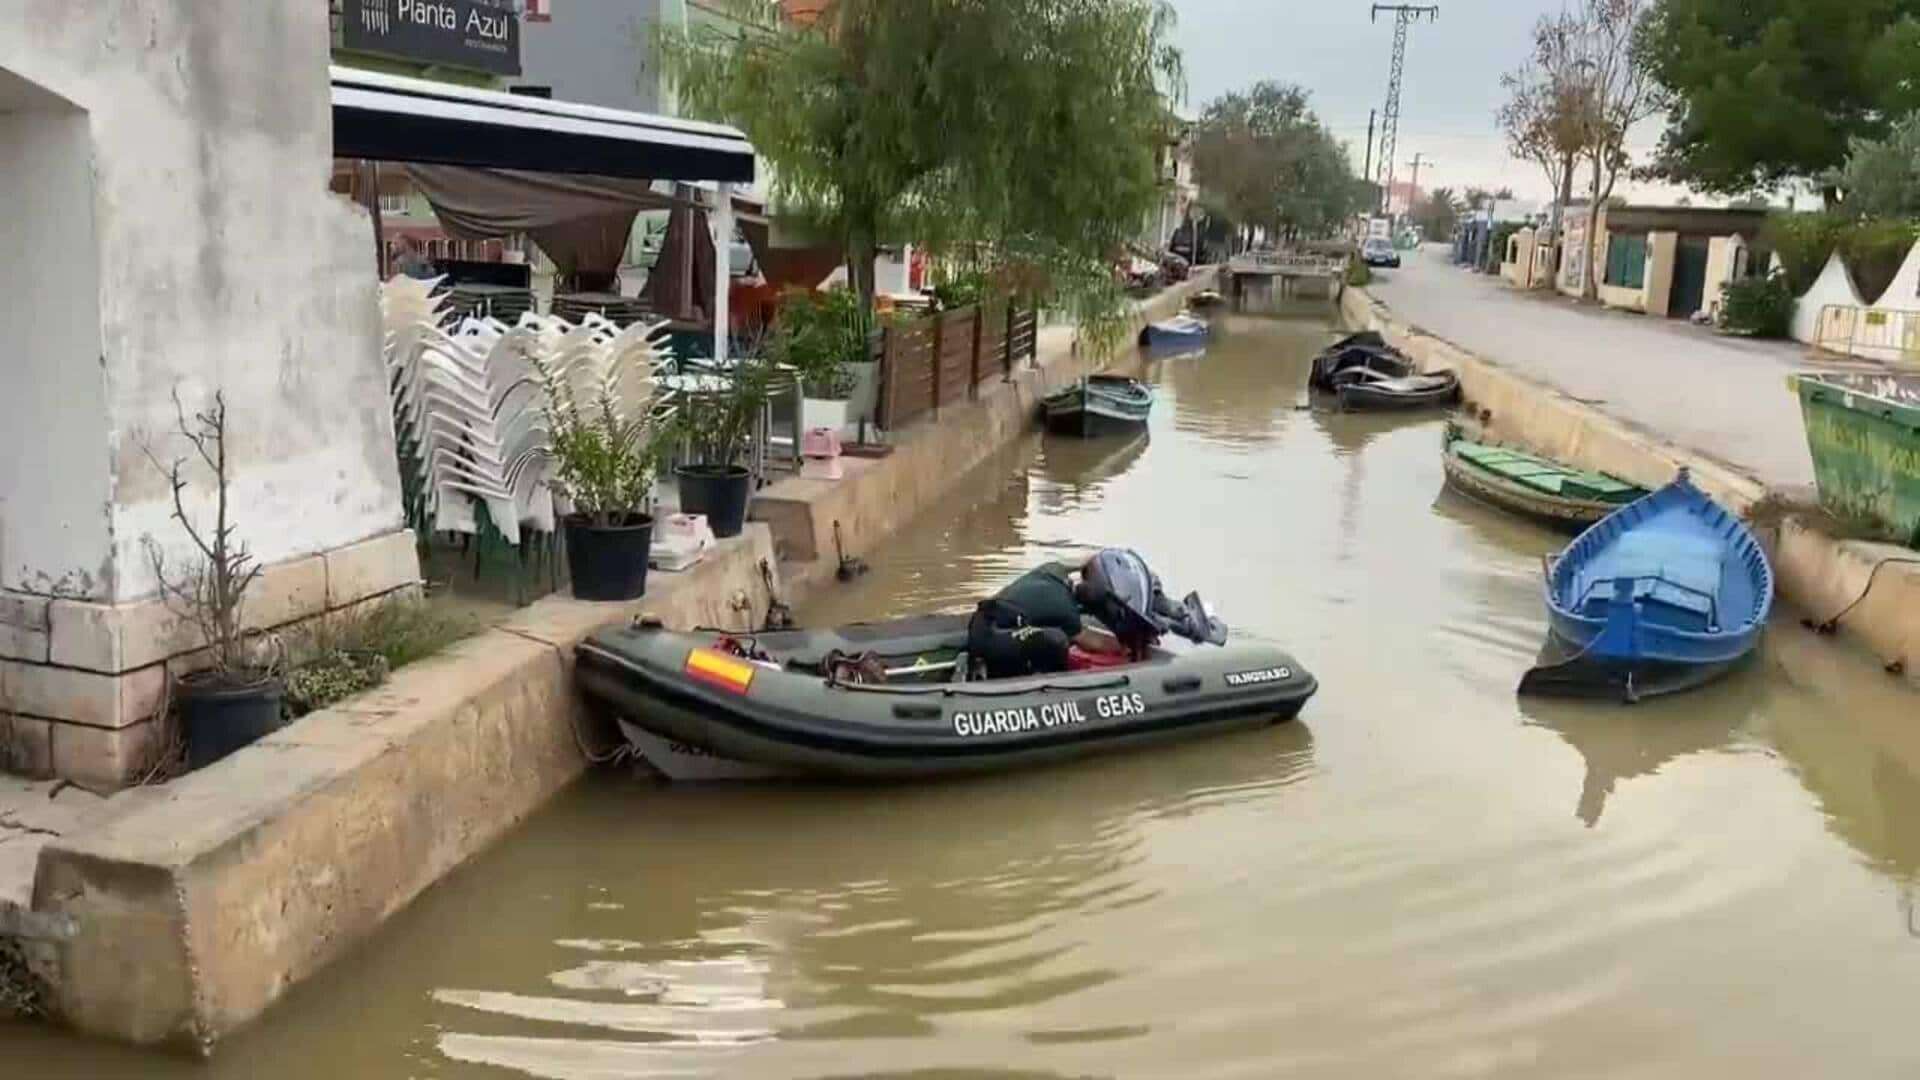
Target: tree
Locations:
point(1548, 114)
point(1881, 178)
point(1267, 162)
point(1766, 91)
point(1438, 214)
point(1619, 91)
point(1024, 128)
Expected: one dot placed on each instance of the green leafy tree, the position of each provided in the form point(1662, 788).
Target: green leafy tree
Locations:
point(1881, 178)
point(1026, 128)
point(1438, 213)
point(1265, 161)
point(1766, 91)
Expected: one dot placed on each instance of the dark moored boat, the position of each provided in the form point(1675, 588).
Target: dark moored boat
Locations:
point(1377, 393)
point(1662, 595)
point(1205, 298)
point(795, 707)
point(1351, 357)
point(1099, 405)
point(1534, 487)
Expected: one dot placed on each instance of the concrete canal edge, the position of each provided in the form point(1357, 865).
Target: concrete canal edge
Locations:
point(1819, 574)
point(193, 906)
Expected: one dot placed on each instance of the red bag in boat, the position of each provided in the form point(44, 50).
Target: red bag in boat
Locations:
point(1079, 659)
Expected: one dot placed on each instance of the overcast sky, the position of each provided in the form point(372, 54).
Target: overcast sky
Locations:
point(1330, 47)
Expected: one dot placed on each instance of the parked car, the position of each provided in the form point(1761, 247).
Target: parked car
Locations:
point(1379, 251)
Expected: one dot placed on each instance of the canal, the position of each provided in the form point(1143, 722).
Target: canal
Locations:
point(1422, 877)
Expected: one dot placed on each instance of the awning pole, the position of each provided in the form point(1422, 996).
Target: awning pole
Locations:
point(722, 221)
point(379, 225)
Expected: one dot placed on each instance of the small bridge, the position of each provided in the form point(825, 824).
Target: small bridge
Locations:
point(1261, 271)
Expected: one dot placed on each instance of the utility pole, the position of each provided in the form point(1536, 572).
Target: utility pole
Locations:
point(1367, 172)
point(1418, 160)
point(1403, 14)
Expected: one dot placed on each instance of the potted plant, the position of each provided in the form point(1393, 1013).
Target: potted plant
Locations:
point(717, 423)
point(236, 698)
point(823, 337)
point(607, 430)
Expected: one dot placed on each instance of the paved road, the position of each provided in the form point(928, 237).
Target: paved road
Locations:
point(1725, 397)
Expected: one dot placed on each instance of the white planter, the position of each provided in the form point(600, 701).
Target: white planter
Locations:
point(845, 416)
point(816, 413)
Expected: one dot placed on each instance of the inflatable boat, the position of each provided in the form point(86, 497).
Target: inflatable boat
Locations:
point(890, 700)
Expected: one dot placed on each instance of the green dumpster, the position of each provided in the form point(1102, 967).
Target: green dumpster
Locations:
point(1863, 430)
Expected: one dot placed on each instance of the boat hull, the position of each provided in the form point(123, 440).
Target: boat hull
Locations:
point(1670, 590)
point(1570, 674)
point(794, 722)
point(1101, 405)
point(1178, 333)
point(1349, 358)
point(1443, 391)
point(1569, 516)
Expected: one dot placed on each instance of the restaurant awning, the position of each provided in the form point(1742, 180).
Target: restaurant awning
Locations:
point(392, 118)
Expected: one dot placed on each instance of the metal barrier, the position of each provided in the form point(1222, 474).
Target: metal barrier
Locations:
point(1869, 333)
point(1285, 262)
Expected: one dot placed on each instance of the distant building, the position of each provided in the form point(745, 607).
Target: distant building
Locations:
point(1670, 261)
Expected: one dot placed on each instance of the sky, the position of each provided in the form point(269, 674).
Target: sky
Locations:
point(1447, 99)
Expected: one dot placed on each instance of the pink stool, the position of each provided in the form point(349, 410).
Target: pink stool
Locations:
point(821, 448)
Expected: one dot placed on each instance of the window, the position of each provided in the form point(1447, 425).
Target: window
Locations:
point(393, 204)
point(1626, 261)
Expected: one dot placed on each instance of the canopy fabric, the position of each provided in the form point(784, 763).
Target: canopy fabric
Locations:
point(582, 222)
point(392, 118)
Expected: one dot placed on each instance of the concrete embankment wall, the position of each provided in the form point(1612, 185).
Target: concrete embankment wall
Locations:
point(1817, 573)
point(198, 904)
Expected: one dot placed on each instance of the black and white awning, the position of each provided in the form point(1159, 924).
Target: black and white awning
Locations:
point(391, 118)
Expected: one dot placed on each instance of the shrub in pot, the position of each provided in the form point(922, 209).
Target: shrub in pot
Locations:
point(717, 425)
point(607, 430)
point(819, 335)
point(236, 698)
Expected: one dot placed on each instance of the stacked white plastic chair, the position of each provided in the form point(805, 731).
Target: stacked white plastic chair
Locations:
point(467, 408)
point(470, 408)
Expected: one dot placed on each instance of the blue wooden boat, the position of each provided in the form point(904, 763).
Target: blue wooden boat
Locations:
point(1181, 330)
point(1662, 595)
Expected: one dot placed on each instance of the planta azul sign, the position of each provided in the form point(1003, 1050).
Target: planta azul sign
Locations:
point(479, 34)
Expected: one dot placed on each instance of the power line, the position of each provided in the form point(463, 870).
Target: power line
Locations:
point(1403, 15)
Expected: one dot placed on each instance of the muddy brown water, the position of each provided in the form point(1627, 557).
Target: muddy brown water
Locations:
point(1423, 877)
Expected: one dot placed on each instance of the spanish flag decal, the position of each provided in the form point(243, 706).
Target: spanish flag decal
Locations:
point(729, 673)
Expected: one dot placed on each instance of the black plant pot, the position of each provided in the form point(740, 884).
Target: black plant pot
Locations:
point(718, 491)
point(221, 715)
point(608, 563)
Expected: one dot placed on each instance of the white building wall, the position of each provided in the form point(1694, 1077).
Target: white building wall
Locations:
point(222, 264)
point(55, 482)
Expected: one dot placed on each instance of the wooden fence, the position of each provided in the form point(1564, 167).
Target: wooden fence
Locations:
point(942, 359)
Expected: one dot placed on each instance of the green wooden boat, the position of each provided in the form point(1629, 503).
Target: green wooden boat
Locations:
point(1543, 490)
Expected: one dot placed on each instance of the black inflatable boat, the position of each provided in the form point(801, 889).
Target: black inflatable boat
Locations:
point(695, 707)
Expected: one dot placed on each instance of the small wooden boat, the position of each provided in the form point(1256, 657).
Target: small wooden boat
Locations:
point(1206, 298)
point(1350, 358)
point(1374, 392)
point(1663, 594)
point(1182, 330)
point(884, 701)
point(1537, 488)
point(1099, 405)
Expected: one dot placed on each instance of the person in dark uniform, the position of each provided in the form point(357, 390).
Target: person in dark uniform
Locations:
point(1026, 627)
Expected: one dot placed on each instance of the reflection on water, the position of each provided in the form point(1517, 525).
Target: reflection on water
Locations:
point(1423, 877)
